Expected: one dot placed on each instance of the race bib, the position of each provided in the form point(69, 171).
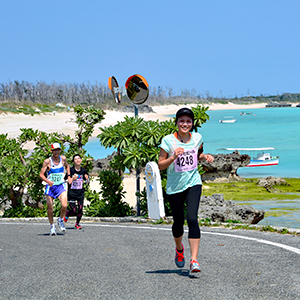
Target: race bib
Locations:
point(77, 184)
point(57, 178)
point(187, 161)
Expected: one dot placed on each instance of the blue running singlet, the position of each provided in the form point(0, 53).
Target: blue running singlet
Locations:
point(56, 174)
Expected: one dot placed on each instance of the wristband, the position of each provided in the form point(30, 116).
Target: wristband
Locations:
point(69, 175)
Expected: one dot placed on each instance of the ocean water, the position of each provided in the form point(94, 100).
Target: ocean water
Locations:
point(265, 127)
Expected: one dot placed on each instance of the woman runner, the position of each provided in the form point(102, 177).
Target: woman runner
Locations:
point(76, 190)
point(180, 153)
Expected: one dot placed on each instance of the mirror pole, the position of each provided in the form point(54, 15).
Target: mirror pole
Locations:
point(137, 170)
point(136, 110)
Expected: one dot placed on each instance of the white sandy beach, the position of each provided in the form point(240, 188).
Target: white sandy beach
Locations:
point(64, 123)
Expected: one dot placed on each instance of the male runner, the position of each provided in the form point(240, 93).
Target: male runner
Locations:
point(55, 167)
point(76, 190)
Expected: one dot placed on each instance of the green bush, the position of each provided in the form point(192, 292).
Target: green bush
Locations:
point(111, 203)
point(96, 206)
point(24, 211)
point(19, 169)
point(143, 202)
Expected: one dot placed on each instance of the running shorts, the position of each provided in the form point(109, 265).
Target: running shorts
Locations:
point(56, 190)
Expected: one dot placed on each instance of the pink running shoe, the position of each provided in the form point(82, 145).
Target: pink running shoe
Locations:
point(77, 226)
point(179, 258)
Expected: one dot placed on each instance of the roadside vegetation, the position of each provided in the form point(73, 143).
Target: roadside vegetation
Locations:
point(136, 140)
point(33, 109)
point(235, 226)
point(248, 190)
point(21, 189)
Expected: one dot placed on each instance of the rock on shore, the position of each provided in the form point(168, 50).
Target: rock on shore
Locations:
point(269, 182)
point(224, 166)
point(101, 164)
point(218, 210)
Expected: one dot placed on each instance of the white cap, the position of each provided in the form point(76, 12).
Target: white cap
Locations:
point(55, 146)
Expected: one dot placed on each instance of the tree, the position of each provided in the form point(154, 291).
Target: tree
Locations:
point(138, 140)
point(86, 119)
point(200, 116)
point(19, 169)
point(12, 170)
point(112, 194)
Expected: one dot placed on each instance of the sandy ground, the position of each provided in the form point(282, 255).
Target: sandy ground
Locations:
point(64, 123)
point(129, 182)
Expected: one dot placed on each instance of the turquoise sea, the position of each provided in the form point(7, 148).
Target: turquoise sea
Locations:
point(264, 127)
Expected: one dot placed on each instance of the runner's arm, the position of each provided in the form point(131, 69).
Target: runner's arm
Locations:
point(201, 156)
point(43, 170)
point(68, 169)
point(164, 161)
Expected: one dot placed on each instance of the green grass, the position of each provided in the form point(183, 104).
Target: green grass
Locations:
point(248, 190)
point(232, 225)
point(279, 212)
point(30, 109)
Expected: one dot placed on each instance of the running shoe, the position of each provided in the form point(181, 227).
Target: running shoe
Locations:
point(179, 258)
point(66, 219)
point(194, 266)
point(61, 225)
point(77, 226)
point(52, 230)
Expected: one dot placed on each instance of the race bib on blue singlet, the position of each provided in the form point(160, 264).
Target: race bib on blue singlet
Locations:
point(57, 178)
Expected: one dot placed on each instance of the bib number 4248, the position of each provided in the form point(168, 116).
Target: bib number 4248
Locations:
point(186, 161)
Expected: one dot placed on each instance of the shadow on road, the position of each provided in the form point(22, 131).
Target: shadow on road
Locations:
point(183, 272)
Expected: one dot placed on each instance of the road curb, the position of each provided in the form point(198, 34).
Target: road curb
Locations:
point(131, 219)
point(168, 220)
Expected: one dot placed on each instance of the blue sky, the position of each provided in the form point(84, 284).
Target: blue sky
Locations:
point(223, 47)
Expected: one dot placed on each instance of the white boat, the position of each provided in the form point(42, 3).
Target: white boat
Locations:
point(227, 120)
point(245, 113)
point(259, 157)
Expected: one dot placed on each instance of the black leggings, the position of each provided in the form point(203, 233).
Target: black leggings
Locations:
point(192, 197)
point(73, 209)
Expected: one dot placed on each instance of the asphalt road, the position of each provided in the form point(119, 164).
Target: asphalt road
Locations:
point(127, 261)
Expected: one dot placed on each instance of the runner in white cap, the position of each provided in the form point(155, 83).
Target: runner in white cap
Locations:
point(54, 167)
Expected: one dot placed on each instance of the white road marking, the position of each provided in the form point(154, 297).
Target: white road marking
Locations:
point(279, 245)
point(289, 248)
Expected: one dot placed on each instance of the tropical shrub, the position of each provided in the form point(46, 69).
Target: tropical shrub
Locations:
point(19, 168)
point(111, 203)
point(137, 142)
